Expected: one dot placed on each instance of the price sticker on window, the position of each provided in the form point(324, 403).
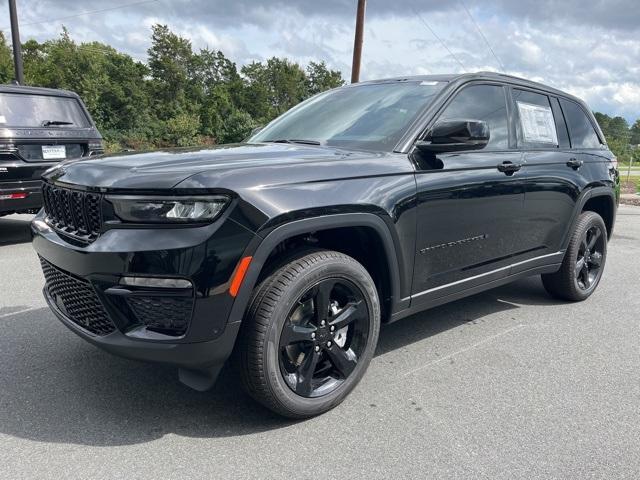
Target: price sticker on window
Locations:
point(537, 123)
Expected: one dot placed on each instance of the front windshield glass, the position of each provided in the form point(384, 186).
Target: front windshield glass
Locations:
point(368, 116)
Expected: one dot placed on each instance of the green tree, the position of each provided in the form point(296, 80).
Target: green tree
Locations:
point(273, 87)
point(6, 61)
point(171, 64)
point(178, 97)
point(321, 78)
point(635, 133)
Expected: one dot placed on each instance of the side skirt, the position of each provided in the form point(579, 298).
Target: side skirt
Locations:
point(424, 302)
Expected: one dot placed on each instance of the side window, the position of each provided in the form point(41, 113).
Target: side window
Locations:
point(482, 102)
point(536, 125)
point(581, 130)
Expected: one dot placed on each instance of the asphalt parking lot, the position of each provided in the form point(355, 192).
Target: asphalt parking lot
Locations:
point(505, 384)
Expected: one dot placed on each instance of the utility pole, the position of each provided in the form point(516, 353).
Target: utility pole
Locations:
point(15, 38)
point(357, 42)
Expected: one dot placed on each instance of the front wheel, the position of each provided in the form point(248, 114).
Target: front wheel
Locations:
point(310, 333)
point(583, 262)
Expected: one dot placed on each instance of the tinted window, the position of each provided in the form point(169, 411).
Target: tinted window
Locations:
point(536, 123)
point(581, 131)
point(486, 103)
point(370, 116)
point(22, 110)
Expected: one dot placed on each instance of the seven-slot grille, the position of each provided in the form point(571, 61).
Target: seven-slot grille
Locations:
point(77, 300)
point(73, 212)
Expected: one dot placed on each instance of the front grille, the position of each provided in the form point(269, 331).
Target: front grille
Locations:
point(77, 300)
point(169, 315)
point(73, 212)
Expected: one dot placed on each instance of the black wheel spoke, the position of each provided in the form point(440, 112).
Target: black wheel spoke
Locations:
point(595, 235)
point(351, 312)
point(344, 360)
point(579, 266)
point(322, 300)
point(304, 381)
point(295, 333)
point(585, 276)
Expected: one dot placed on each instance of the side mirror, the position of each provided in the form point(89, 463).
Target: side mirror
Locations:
point(455, 136)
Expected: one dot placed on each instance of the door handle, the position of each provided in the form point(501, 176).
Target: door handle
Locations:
point(509, 168)
point(574, 163)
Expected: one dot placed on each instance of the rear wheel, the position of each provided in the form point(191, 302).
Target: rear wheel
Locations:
point(583, 262)
point(309, 334)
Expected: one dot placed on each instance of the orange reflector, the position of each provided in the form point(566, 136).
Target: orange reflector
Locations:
point(238, 276)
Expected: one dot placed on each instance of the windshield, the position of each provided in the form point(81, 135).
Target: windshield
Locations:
point(23, 110)
point(368, 116)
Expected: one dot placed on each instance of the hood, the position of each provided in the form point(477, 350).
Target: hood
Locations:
point(167, 168)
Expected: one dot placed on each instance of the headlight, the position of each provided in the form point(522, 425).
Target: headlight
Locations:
point(168, 209)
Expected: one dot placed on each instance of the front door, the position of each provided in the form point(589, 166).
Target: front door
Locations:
point(470, 203)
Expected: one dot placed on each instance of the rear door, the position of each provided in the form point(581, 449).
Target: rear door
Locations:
point(557, 168)
point(469, 211)
point(552, 185)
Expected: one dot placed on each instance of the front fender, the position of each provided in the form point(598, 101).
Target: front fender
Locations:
point(260, 249)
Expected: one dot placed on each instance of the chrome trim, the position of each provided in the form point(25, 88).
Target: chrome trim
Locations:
point(497, 270)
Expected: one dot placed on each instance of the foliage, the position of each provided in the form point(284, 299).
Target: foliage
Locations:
point(178, 98)
point(622, 140)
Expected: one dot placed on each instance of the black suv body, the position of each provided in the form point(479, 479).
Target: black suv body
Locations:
point(39, 127)
point(426, 190)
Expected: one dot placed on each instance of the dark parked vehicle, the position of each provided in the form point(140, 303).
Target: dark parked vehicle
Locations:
point(39, 127)
point(360, 206)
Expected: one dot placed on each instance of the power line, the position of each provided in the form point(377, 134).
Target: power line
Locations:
point(483, 37)
point(85, 13)
point(438, 38)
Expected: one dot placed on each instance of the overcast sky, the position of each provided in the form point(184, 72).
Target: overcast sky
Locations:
point(589, 48)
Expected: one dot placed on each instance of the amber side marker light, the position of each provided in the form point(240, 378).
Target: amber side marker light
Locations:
point(238, 276)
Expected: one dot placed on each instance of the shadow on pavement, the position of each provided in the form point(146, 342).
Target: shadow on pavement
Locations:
point(14, 229)
point(56, 388)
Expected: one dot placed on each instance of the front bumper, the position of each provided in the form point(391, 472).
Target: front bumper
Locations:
point(206, 256)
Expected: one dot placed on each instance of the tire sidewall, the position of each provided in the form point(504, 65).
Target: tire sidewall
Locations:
point(591, 219)
point(330, 268)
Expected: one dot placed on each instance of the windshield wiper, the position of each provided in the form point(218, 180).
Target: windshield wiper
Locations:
point(48, 123)
point(294, 140)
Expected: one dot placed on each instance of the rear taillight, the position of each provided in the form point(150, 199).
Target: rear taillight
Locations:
point(14, 196)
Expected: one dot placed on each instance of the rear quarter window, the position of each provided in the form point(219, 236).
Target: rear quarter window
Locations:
point(581, 131)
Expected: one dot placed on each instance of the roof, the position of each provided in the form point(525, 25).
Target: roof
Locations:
point(37, 91)
point(464, 77)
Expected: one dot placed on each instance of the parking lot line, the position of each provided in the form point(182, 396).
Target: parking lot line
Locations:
point(463, 350)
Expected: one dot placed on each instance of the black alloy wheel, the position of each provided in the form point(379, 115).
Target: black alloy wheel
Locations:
point(323, 337)
point(583, 262)
point(309, 334)
point(589, 259)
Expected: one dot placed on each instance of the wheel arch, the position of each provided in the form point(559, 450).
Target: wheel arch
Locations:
point(316, 225)
point(601, 200)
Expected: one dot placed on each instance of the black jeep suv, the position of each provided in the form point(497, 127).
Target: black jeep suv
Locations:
point(39, 127)
point(362, 205)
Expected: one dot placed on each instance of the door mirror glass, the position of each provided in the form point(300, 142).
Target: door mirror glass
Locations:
point(455, 135)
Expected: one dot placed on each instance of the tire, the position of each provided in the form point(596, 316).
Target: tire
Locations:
point(283, 308)
point(580, 274)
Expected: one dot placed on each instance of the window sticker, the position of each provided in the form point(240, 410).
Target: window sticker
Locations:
point(537, 122)
point(3, 119)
